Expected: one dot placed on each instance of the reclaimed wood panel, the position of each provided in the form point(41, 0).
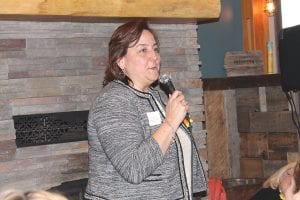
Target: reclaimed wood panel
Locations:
point(254, 145)
point(223, 142)
point(252, 167)
point(217, 147)
point(276, 99)
point(247, 100)
point(286, 142)
point(248, 97)
point(243, 119)
point(277, 155)
point(193, 9)
point(280, 121)
point(243, 145)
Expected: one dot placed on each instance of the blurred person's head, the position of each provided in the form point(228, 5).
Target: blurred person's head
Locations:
point(282, 178)
point(31, 195)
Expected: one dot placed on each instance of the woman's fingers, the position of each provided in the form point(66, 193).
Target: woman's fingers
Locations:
point(177, 107)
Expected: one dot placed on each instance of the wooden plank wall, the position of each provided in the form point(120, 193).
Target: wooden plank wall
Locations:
point(268, 138)
point(223, 139)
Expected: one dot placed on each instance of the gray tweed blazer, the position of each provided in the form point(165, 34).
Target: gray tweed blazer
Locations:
point(124, 161)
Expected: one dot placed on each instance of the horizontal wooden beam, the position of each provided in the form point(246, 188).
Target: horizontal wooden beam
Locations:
point(178, 9)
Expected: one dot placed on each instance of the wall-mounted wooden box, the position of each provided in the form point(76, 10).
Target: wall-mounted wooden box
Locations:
point(243, 63)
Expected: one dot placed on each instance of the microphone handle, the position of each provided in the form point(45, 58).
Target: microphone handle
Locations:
point(169, 88)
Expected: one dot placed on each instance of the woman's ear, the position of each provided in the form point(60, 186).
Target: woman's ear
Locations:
point(121, 63)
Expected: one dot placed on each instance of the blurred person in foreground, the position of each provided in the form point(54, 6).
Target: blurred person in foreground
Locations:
point(284, 184)
point(31, 195)
point(138, 146)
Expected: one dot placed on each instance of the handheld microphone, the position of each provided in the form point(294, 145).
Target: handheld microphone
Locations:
point(167, 86)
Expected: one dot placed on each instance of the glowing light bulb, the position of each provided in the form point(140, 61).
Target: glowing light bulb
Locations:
point(270, 7)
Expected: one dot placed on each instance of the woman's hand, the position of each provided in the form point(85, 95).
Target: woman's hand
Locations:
point(176, 109)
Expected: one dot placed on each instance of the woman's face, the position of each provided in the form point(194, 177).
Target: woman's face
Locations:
point(142, 62)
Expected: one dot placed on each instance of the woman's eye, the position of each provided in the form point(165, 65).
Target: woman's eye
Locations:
point(143, 50)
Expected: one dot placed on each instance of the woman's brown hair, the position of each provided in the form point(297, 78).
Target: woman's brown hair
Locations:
point(124, 36)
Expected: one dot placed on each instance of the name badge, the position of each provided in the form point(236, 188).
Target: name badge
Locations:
point(154, 118)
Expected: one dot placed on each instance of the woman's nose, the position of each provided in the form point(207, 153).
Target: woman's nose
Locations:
point(154, 55)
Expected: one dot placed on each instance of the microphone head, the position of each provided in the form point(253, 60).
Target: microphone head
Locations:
point(166, 84)
point(164, 78)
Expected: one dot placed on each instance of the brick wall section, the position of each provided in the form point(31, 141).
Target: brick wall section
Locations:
point(50, 67)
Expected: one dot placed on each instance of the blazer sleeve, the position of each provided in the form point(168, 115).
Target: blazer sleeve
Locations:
point(120, 132)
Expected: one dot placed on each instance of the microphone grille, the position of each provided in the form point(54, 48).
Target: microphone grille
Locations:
point(164, 78)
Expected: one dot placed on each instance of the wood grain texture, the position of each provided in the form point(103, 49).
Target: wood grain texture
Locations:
point(217, 143)
point(196, 9)
point(255, 27)
point(279, 121)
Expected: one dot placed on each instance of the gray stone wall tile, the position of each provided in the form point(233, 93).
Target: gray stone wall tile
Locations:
point(12, 44)
point(7, 128)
